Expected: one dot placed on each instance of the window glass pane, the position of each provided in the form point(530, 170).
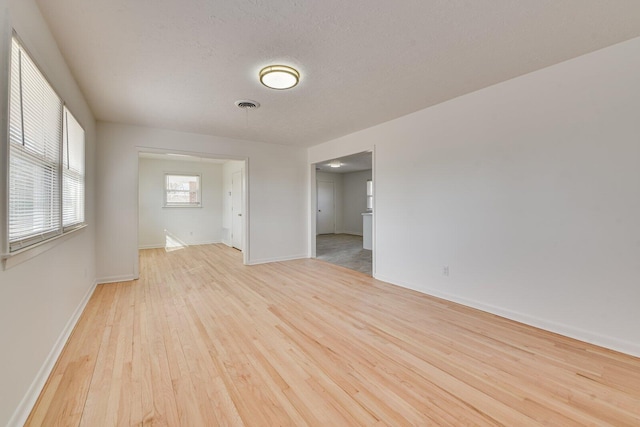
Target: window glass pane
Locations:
point(182, 190)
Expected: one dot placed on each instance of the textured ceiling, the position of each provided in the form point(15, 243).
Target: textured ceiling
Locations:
point(353, 163)
point(181, 64)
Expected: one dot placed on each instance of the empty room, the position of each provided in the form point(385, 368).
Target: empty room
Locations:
point(173, 173)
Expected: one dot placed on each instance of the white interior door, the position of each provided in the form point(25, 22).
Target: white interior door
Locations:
point(236, 210)
point(325, 219)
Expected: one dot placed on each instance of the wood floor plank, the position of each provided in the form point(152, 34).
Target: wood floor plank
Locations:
point(202, 340)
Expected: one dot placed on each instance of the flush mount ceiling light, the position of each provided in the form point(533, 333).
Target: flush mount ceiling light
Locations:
point(335, 163)
point(279, 77)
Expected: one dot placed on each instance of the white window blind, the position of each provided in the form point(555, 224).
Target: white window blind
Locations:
point(72, 172)
point(182, 190)
point(35, 129)
point(46, 177)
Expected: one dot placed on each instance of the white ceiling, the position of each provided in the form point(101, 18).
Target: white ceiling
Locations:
point(182, 64)
point(181, 158)
point(353, 163)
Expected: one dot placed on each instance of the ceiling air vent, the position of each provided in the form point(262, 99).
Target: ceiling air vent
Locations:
point(247, 104)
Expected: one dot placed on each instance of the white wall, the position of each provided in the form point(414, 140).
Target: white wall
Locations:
point(355, 200)
point(528, 190)
point(277, 193)
point(41, 297)
point(192, 226)
point(228, 169)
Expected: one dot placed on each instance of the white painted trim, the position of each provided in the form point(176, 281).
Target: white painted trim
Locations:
point(116, 279)
point(312, 213)
point(23, 410)
point(610, 343)
point(352, 233)
point(156, 246)
point(277, 259)
point(374, 232)
point(206, 242)
point(246, 245)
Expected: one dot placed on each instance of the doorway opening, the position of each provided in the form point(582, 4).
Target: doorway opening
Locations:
point(344, 211)
point(191, 199)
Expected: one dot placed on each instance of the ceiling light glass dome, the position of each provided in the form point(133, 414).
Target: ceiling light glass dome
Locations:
point(279, 77)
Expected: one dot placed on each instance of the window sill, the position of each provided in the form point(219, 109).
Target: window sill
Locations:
point(18, 257)
point(185, 206)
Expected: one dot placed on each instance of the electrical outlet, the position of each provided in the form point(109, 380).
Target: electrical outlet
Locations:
point(445, 270)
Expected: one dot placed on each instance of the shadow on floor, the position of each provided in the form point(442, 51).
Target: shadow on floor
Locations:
point(344, 250)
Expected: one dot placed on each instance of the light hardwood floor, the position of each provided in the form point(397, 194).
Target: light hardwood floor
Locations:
point(201, 340)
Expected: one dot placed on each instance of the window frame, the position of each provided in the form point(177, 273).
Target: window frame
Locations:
point(166, 190)
point(27, 244)
point(369, 195)
point(78, 173)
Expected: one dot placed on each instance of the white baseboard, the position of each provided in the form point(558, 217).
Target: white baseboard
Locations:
point(353, 233)
point(162, 245)
point(23, 410)
point(276, 259)
point(159, 246)
point(206, 242)
point(611, 343)
point(115, 279)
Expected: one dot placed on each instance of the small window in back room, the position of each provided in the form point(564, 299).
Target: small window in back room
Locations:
point(182, 190)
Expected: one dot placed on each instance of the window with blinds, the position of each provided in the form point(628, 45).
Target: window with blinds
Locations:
point(46, 158)
point(72, 172)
